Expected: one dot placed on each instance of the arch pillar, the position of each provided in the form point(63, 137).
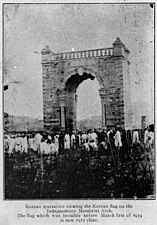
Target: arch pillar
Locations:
point(112, 114)
point(71, 105)
point(62, 98)
point(67, 103)
point(103, 94)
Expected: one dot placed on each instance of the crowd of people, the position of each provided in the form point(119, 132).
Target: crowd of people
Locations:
point(111, 158)
point(43, 143)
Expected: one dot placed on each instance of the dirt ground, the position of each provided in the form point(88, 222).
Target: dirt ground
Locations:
point(76, 174)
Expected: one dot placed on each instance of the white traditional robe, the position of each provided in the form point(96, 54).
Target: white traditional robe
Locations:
point(67, 141)
point(93, 145)
point(92, 137)
point(24, 145)
point(89, 137)
point(53, 149)
point(146, 136)
point(151, 137)
point(31, 143)
point(84, 137)
point(56, 137)
point(44, 148)
point(12, 144)
point(37, 141)
point(118, 141)
point(86, 145)
point(18, 144)
point(79, 139)
point(108, 134)
point(6, 142)
point(73, 139)
point(135, 138)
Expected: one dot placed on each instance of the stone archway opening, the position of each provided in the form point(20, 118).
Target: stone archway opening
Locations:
point(71, 87)
point(88, 110)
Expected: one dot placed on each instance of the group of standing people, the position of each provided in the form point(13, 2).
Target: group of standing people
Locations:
point(39, 143)
point(45, 143)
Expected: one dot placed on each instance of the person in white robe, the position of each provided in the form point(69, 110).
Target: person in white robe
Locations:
point(53, 149)
point(31, 142)
point(118, 145)
point(92, 136)
point(18, 143)
point(89, 136)
point(108, 134)
point(84, 137)
point(146, 136)
point(56, 142)
point(49, 141)
point(135, 138)
point(44, 148)
point(67, 141)
point(37, 142)
point(86, 146)
point(117, 137)
point(25, 144)
point(73, 140)
point(12, 144)
point(79, 140)
point(151, 137)
point(151, 142)
point(93, 145)
point(6, 142)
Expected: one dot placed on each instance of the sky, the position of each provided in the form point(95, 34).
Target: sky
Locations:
point(28, 28)
point(88, 98)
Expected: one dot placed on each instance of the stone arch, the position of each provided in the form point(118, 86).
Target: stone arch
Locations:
point(109, 66)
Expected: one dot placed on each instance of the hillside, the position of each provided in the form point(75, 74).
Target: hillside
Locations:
point(89, 123)
point(23, 123)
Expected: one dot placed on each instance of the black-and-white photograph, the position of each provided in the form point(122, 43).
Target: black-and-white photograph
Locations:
point(78, 101)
